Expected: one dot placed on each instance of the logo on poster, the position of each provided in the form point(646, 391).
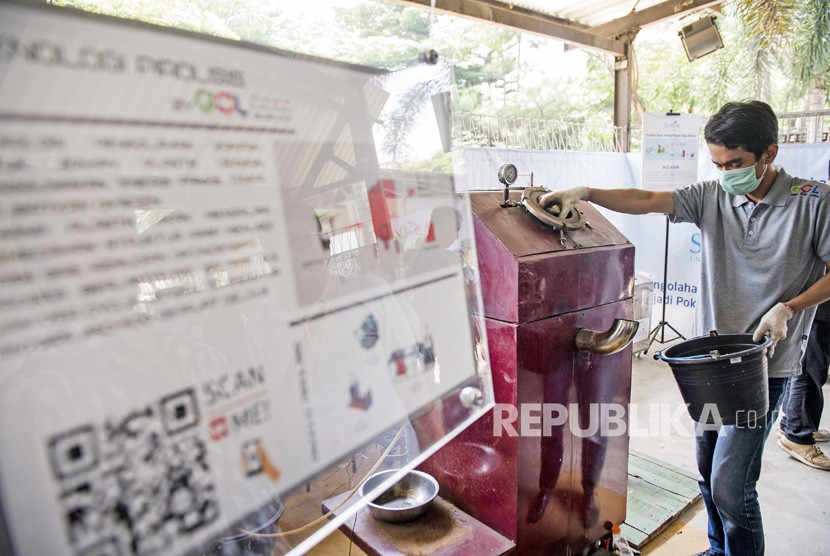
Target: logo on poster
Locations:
point(218, 428)
point(695, 249)
point(209, 102)
point(237, 419)
point(222, 102)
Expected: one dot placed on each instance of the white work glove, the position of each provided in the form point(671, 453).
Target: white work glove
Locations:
point(774, 322)
point(566, 199)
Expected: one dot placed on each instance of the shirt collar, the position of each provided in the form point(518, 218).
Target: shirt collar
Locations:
point(777, 196)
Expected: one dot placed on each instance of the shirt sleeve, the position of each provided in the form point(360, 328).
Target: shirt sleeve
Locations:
point(822, 234)
point(688, 203)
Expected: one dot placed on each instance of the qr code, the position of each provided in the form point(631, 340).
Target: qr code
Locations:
point(135, 484)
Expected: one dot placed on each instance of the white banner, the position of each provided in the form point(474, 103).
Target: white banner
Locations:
point(478, 167)
point(810, 161)
point(670, 144)
point(563, 169)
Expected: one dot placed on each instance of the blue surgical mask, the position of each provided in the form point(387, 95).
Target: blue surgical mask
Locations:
point(740, 181)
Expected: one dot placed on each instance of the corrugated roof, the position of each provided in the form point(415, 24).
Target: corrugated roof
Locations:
point(590, 13)
point(604, 25)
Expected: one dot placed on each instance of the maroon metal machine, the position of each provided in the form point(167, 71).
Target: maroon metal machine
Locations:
point(558, 305)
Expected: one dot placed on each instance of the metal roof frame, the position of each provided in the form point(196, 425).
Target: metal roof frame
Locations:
point(604, 36)
point(613, 36)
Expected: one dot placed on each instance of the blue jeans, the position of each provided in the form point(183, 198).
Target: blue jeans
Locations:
point(804, 400)
point(729, 465)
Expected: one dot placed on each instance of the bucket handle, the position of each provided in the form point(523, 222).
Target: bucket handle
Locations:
point(714, 354)
point(659, 354)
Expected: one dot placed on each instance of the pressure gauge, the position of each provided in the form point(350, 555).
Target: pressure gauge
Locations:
point(508, 174)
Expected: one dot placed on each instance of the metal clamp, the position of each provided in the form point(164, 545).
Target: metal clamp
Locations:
point(508, 202)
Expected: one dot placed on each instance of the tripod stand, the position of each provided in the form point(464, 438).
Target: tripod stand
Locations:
point(661, 328)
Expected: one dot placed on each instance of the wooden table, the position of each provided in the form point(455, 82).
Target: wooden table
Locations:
point(443, 530)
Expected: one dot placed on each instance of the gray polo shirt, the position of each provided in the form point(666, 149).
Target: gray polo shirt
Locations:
point(757, 255)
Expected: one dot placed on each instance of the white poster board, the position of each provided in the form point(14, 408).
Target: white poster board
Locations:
point(670, 144)
point(209, 289)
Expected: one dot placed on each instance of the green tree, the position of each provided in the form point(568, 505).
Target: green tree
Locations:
point(774, 50)
point(811, 63)
point(768, 44)
point(381, 35)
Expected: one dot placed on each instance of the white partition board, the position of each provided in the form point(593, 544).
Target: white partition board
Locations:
point(210, 288)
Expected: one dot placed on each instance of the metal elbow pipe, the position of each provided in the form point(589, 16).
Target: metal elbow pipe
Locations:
point(611, 341)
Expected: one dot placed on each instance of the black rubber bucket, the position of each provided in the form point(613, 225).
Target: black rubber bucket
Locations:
point(722, 378)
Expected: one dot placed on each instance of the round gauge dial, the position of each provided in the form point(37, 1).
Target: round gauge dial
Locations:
point(508, 174)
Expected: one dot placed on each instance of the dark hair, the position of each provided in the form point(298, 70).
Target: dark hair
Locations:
point(749, 124)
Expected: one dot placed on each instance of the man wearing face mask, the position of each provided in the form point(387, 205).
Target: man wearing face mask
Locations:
point(766, 246)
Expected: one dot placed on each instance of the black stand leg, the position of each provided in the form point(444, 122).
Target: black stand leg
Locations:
point(661, 328)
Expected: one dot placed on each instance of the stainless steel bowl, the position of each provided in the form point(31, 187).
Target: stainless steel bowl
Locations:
point(407, 499)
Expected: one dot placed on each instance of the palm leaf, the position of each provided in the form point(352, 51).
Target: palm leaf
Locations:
point(812, 48)
point(772, 21)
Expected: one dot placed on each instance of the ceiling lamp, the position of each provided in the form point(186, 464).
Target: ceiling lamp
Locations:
point(700, 38)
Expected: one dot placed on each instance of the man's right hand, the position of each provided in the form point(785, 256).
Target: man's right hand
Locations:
point(566, 199)
point(774, 323)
